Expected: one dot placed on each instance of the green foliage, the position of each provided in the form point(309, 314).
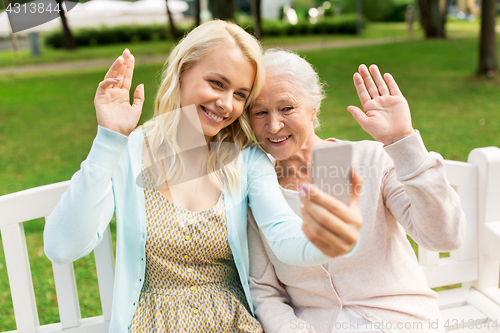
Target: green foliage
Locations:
point(124, 34)
point(344, 24)
point(380, 10)
point(112, 35)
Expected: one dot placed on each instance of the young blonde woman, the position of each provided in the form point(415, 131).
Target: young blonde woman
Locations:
point(180, 191)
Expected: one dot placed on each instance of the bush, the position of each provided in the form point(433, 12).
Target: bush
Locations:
point(345, 24)
point(380, 10)
point(112, 35)
point(272, 28)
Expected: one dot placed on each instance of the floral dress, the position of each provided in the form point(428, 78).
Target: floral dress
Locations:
point(191, 282)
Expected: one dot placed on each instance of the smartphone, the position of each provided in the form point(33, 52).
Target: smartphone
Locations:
point(331, 169)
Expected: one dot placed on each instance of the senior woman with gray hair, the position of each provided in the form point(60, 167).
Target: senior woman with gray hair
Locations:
point(379, 288)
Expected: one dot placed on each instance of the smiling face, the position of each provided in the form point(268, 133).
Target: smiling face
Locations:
point(281, 118)
point(218, 85)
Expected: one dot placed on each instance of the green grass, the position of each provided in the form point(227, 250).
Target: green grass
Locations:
point(47, 124)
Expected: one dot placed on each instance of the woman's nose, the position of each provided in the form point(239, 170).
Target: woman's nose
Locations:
point(275, 123)
point(225, 101)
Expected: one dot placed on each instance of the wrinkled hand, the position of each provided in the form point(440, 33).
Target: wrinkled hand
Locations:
point(332, 226)
point(112, 101)
point(386, 115)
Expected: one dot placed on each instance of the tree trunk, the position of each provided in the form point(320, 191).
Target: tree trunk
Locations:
point(444, 15)
point(173, 31)
point(424, 13)
point(488, 57)
point(197, 13)
point(432, 18)
point(256, 18)
point(68, 40)
point(223, 9)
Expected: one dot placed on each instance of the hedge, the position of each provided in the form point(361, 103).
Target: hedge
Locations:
point(380, 10)
point(344, 24)
point(124, 34)
point(112, 35)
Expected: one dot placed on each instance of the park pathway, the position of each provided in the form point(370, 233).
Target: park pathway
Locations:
point(91, 64)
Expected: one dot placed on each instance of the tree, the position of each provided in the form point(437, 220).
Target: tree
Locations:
point(68, 40)
point(223, 9)
point(173, 31)
point(197, 12)
point(256, 5)
point(488, 56)
point(433, 17)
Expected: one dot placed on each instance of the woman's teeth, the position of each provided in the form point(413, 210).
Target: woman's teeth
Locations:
point(213, 116)
point(279, 140)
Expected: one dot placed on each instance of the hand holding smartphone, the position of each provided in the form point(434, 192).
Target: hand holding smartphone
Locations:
point(331, 169)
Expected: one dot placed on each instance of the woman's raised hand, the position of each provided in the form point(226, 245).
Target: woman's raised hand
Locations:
point(112, 101)
point(386, 115)
point(332, 226)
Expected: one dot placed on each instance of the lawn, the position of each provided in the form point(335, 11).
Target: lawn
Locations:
point(47, 123)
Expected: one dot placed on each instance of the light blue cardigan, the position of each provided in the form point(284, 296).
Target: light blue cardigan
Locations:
point(106, 183)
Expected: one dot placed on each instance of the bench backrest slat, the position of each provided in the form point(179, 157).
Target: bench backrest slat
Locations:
point(67, 295)
point(105, 273)
point(462, 265)
point(19, 272)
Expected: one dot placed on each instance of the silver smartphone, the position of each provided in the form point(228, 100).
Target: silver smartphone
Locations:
point(331, 169)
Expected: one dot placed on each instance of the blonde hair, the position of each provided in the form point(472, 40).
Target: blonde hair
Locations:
point(162, 129)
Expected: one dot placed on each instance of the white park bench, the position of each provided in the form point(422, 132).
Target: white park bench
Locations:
point(473, 307)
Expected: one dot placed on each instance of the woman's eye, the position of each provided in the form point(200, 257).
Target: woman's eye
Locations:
point(287, 108)
point(241, 95)
point(216, 83)
point(260, 113)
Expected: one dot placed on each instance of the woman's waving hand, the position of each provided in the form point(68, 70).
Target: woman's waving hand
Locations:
point(112, 101)
point(386, 116)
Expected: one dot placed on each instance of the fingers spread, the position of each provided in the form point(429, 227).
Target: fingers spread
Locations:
point(367, 78)
point(127, 80)
point(363, 94)
point(358, 114)
point(379, 80)
point(393, 86)
point(139, 97)
point(115, 67)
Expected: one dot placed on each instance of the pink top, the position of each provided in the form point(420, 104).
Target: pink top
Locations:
point(381, 280)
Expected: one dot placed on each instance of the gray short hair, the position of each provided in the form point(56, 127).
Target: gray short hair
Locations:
point(299, 71)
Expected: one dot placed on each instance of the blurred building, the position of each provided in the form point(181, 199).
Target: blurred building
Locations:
point(469, 7)
point(270, 9)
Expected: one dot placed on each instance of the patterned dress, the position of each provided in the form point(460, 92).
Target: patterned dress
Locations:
point(191, 282)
